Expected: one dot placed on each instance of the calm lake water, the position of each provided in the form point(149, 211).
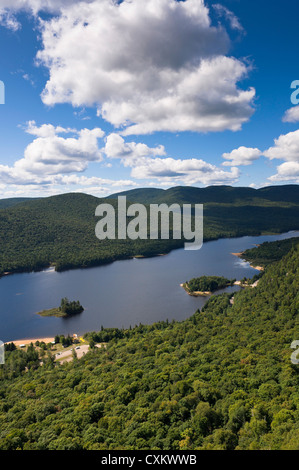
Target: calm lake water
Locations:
point(121, 294)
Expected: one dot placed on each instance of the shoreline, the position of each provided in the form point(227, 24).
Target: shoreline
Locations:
point(131, 257)
point(52, 312)
point(196, 293)
point(19, 342)
point(258, 268)
point(210, 293)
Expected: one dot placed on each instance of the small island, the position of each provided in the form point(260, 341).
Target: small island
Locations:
point(66, 309)
point(206, 285)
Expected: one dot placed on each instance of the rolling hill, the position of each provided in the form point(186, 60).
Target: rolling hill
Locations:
point(10, 202)
point(210, 194)
point(60, 230)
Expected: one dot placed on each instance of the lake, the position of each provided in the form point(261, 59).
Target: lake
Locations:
point(120, 294)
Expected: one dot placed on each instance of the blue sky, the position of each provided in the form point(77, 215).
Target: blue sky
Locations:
point(103, 96)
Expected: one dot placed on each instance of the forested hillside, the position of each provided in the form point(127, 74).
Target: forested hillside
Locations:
point(10, 202)
point(269, 252)
point(222, 379)
point(60, 230)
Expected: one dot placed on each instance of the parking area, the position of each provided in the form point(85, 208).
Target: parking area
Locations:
point(67, 356)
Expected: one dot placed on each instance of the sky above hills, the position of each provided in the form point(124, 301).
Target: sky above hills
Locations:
point(103, 96)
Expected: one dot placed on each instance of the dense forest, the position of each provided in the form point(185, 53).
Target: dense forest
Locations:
point(207, 284)
point(223, 379)
point(269, 252)
point(70, 307)
point(59, 231)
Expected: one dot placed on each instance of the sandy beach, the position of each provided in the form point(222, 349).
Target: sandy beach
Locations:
point(259, 268)
point(28, 341)
point(196, 293)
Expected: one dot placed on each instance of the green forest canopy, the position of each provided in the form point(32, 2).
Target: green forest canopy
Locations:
point(208, 283)
point(269, 252)
point(70, 307)
point(223, 379)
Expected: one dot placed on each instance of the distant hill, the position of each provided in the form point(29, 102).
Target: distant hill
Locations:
point(60, 230)
point(192, 195)
point(142, 195)
point(217, 194)
point(232, 211)
point(4, 203)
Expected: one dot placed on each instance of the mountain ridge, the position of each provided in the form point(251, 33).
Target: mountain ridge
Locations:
point(60, 230)
point(229, 194)
point(186, 194)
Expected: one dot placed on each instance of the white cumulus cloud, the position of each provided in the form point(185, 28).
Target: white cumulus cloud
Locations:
point(147, 66)
point(145, 163)
point(58, 156)
point(288, 171)
point(116, 147)
point(49, 154)
point(291, 115)
point(188, 171)
point(37, 5)
point(241, 156)
point(286, 148)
